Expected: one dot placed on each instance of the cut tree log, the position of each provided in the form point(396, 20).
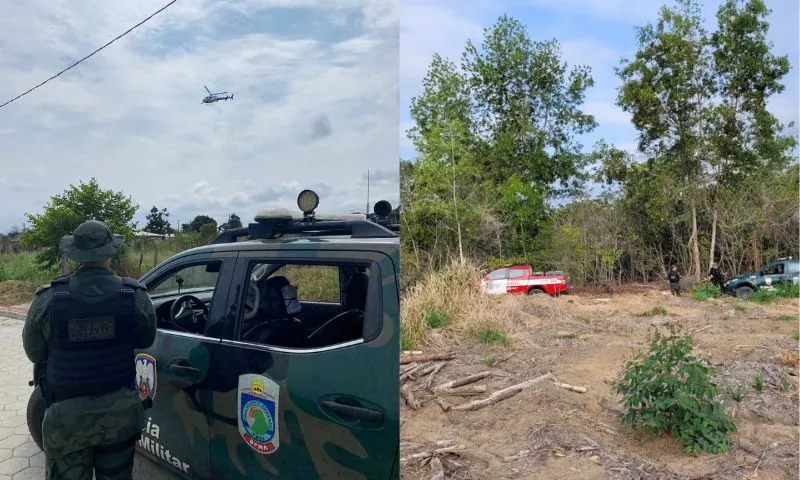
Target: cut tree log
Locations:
point(463, 381)
point(443, 405)
point(409, 397)
point(434, 357)
point(501, 394)
point(567, 386)
point(465, 390)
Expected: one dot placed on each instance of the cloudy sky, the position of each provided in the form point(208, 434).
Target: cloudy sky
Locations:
point(315, 88)
point(591, 32)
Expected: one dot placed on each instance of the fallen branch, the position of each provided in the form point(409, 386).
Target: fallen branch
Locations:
point(498, 362)
point(405, 369)
point(428, 358)
point(517, 456)
point(700, 329)
point(409, 397)
point(567, 386)
point(437, 469)
point(466, 390)
point(436, 369)
point(409, 373)
point(501, 394)
point(438, 451)
point(463, 381)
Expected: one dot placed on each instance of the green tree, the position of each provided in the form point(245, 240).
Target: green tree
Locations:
point(157, 221)
point(748, 140)
point(668, 88)
point(233, 222)
point(496, 138)
point(197, 223)
point(77, 204)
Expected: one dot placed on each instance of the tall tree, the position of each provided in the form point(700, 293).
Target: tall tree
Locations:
point(157, 221)
point(77, 204)
point(528, 106)
point(748, 140)
point(668, 88)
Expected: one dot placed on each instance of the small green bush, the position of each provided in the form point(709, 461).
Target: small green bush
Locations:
point(434, 318)
point(493, 337)
point(670, 391)
point(705, 290)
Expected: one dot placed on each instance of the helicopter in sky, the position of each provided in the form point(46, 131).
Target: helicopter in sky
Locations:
point(216, 97)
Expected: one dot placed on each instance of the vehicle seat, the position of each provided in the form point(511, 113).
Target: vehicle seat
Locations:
point(355, 293)
point(275, 326)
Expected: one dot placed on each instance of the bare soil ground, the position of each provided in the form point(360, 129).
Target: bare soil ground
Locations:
point(15, 292)
point(548, 432)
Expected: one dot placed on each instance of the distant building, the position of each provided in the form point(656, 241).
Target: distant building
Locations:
point(154, 236)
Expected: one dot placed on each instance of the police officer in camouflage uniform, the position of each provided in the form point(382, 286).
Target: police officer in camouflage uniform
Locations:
point(85, 326)
point(674, 279)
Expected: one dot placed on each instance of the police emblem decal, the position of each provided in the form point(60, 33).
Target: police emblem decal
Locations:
point(146, 382)
point(258, 412)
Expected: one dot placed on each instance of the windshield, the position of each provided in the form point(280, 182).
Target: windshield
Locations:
point(193, 279)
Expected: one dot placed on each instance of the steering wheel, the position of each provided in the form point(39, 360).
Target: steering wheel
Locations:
point(331, 322)
point(183, 308)
point(251, 301)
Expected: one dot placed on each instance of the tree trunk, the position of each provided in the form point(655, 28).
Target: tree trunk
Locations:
point(695, 243)
point(711, 252)
point(455, 207)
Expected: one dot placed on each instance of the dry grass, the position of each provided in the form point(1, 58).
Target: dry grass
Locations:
point(786, 357)
point(448, 304)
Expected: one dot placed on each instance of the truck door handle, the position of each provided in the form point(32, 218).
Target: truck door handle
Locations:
point(350, 411)
point(181, 368)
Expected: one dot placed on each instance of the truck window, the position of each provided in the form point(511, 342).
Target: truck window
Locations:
point(775, 269)
point(303, 306)
point(792, 267)
point(516, 273)
point(498, 274)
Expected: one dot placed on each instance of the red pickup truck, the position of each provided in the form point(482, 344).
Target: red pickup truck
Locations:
point(522, 280)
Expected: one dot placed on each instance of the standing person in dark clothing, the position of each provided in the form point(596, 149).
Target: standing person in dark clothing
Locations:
point(674, 281)
point(85, 326)
point(716, 275)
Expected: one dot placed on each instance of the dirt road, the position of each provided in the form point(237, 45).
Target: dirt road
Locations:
point(547, 432)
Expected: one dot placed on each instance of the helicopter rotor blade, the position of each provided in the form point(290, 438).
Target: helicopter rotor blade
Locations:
point(207, 90)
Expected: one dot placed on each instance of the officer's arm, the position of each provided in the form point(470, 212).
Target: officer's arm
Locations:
point(34, 340)
point(145, 320)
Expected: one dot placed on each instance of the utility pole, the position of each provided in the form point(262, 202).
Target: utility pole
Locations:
point(366, 210)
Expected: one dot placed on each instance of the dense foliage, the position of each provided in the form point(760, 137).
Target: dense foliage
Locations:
point(500, 172)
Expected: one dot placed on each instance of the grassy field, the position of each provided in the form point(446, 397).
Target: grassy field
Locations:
point(20, 274)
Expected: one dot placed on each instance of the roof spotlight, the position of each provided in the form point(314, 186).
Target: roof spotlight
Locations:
point(307, 201)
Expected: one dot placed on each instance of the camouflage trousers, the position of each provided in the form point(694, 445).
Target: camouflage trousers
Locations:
point(106, 462)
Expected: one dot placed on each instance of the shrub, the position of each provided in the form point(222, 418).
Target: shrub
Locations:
point(705, 290)
point(670, 391)
point(781, 290)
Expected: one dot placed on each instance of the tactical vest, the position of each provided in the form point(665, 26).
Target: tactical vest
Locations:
point(91, 347)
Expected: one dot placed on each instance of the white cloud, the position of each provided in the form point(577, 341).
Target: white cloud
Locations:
point(315, 88)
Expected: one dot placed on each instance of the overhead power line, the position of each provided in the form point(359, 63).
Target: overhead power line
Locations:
point(91, 54)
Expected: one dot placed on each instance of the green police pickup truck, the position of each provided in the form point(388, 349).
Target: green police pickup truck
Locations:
point(277, 352)
point(782, 270)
